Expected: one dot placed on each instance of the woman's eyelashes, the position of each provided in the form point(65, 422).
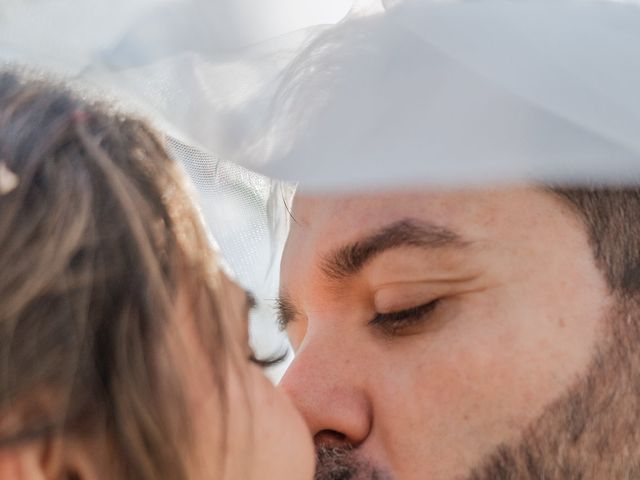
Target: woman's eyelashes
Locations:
point(394, 323)
point(270, 361)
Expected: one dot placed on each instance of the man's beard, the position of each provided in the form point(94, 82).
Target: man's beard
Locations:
point(342, 463)
point(592, 432)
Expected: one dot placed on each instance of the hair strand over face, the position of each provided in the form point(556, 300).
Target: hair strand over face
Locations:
point(97, 237)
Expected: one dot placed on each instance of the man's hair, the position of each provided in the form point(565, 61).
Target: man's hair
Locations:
point(97, 236)
point(612, 219)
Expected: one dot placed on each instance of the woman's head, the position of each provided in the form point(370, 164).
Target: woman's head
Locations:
point(121, 343)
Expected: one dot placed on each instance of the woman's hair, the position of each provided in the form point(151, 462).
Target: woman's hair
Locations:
point(97, 237)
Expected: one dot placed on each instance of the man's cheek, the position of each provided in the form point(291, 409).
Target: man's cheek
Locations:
point(481, 391)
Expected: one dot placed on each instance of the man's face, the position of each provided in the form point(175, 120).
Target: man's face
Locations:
point(433, 329)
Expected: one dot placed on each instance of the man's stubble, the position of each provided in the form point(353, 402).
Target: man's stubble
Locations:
point(592, 432)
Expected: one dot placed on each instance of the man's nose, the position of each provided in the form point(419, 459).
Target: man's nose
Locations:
point(327, 387)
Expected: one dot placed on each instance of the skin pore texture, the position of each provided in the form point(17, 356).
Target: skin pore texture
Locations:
point(460, 335)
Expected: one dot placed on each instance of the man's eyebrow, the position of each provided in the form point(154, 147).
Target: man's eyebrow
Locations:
point(350, 259)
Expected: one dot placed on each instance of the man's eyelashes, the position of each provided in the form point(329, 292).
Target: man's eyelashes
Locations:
point(395, 322)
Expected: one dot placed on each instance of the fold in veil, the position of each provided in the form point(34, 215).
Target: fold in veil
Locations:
point(337, 96)
point(462, 92)
point(415, 91)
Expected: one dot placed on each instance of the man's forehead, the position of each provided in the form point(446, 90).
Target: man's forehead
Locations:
point(312, 212)
point(336, 217)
